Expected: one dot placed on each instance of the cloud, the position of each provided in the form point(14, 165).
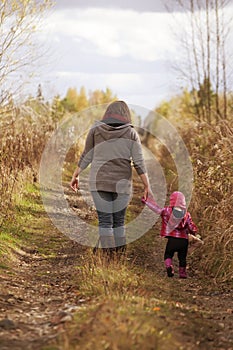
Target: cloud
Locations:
point(131, 82)
point(129, 51)
point(144, 89)
point(115, 33)
point(138, 5)
point(97, 48)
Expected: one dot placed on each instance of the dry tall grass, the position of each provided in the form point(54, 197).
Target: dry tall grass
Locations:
point(23, 133)
point(211, 151)
point(210, 148)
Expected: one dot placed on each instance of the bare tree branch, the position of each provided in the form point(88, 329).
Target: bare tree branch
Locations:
point(19, 20)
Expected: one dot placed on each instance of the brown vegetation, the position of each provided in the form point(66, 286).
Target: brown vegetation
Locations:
point(210, 148)
point(211, 151)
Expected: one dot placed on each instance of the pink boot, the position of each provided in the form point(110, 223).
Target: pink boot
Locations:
point(169, 267)
point(182, 272)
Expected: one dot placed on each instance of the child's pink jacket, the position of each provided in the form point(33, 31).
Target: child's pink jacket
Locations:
point(171, 226)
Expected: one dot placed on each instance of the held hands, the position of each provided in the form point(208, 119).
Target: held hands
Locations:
point(145, 194)
point(145, 181)
point(143, 200)
point(74, 184)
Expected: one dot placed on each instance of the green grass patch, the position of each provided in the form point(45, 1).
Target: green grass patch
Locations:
point(4, 267)
point(8, 244)
point(27, 228)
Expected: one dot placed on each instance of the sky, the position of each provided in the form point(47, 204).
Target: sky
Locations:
point(128, 46)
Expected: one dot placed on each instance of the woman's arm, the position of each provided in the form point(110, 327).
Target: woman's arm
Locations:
point(87, 155)
point(137, 155)
point(139, 164)
point(145, 181)
point(85, 160)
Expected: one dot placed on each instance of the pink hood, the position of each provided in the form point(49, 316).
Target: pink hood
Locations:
point(177, 199)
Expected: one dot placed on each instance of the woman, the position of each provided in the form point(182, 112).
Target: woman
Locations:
point(112, 144)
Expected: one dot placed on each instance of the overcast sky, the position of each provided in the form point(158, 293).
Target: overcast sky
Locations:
point(137, 5)
point(128, 46)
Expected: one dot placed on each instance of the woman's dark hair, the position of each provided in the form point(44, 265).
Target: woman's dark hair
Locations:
point(118, 110)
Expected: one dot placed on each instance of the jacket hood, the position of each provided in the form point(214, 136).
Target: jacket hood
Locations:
point(109, 132)
point(177, 199)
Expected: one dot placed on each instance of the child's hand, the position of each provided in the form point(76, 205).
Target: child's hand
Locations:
point(198, 236)
point(143, 200)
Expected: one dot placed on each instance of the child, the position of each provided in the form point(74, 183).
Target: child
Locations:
point(176, 225)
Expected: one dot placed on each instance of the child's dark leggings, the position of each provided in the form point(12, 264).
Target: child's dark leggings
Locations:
point(179, 245)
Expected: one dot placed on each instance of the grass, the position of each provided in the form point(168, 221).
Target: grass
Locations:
point(27, 229)
point(115, 324)
point(98, 277)
point(8, 244)
point(118, 312)
point(122, 303)
point(123, 306)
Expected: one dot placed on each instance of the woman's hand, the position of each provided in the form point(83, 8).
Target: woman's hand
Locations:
point(75, 179)
point(74, 183)
point(146, 193)
point(147, 190)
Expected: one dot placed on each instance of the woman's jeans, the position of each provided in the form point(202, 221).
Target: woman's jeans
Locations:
point(111, 210)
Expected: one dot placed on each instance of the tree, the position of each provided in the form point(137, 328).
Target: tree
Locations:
point(82, 101)
point(39, 92)
point(69, 102)
point(205, 66)
point(101, 96)
point(107, 96)
point(57, 109)
point(95, 97)
point(75, 101)
point(18, 22)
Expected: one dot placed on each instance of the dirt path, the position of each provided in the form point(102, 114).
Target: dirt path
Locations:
point(38, 296)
